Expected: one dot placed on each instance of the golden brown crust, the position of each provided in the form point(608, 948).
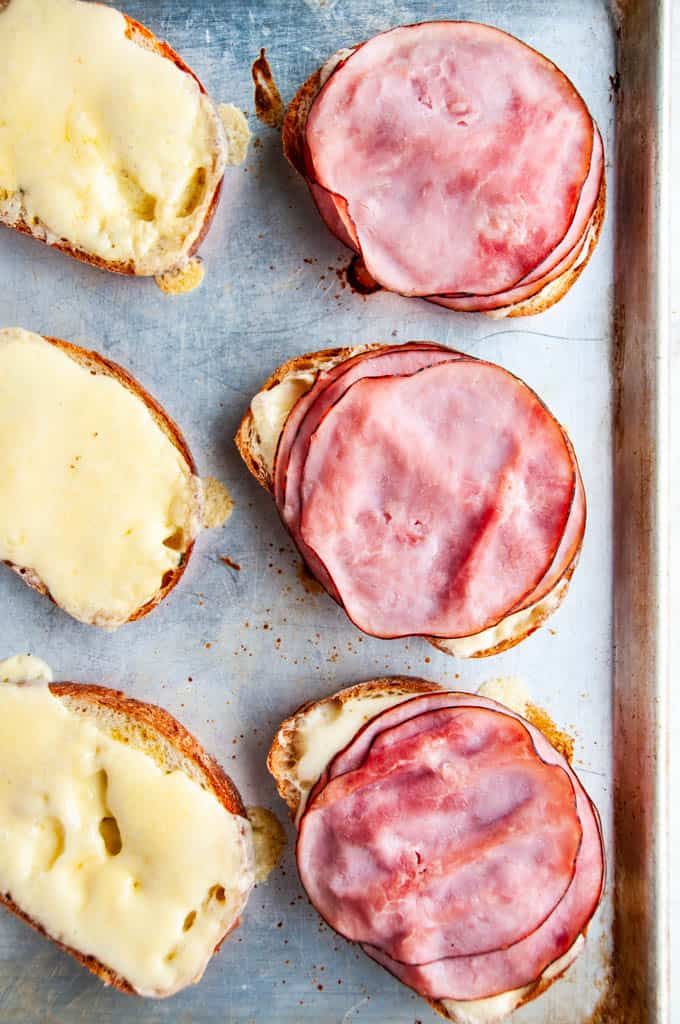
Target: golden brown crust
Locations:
point(144, 37)
point(99, 364)
point(161, 722)
point(281, 757)
point(293, 148)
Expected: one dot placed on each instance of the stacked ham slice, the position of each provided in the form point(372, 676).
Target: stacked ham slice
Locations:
point(456, 845)
point(461, 166)
point(430, 493)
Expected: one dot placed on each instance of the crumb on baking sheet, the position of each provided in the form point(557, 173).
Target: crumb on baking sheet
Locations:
point(236, 132)
point(182, 279)
point(218, 503)
point(269, 106)
point(269, 840)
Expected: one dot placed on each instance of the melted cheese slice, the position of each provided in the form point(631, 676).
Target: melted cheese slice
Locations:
point(102, 142)
point(109, 852)
point(324, 730)
point(95, 500)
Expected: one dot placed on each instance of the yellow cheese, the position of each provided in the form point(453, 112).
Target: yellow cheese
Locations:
point(326, 728)
point(94, 498)
point(25, 668)
point(112, 854)
point(102, 142)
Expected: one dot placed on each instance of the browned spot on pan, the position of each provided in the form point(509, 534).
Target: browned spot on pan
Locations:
point(268, 103)
point(359, 278)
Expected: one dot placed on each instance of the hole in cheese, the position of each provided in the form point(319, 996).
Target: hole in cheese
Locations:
point(189, 921)
point(49, 844)
point(110, 833)
point(140, 202)
point(218, 892)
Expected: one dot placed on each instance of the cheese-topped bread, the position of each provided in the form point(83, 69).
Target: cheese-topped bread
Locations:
point(99, 502)
point(123, 841)
point(110, 148)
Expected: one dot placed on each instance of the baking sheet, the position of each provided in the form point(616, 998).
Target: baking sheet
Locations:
point(231, 652)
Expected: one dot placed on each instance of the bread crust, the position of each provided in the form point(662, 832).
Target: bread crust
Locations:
point(99, 364)
point(144, 37)
point(294, 151)
point(163, 724)
point(281, 759)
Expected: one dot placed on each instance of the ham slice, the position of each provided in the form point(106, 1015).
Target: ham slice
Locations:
point(436, 502)
point(383, 759)
point(454, 157)
point(450, 816)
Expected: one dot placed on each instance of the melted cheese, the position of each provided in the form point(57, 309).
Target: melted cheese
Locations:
point(236, 131)
point(112, 854)
point(102, 142)
point(325, 729)
point(269, 841)
point(270, 411)
point(95, 500)
point(25, 668)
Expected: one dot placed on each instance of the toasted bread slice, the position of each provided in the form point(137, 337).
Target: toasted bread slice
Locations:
point(183, 488)
point(146, 738)
point(257, 440)
point(139, 205)
point(293, 147)
point(303, 746)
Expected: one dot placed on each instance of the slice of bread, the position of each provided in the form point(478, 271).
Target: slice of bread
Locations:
point(294, 149)
point(257, 439)
point(176, 241)
point(153, 732)
point(189, 516)
point(321, 723)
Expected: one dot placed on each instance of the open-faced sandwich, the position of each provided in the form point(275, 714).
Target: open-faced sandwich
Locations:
point(110, 149)
point(447, 836)
point(99, 500)
point(430, 493)
point(122, 840)
point(460, 165)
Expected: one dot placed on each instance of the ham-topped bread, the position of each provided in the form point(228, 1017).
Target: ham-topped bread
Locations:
point(461, 165)
point(431, 493)
point(447, 836)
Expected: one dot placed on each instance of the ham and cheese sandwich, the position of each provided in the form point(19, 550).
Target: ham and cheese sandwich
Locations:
point(430, 493)
point(447, 836)
point(100, 504)
point(460, 165)
point(110, 149)
point(122, 840)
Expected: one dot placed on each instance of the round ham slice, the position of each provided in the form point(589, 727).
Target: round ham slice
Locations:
point(451, 815)
point(308, 413)
point(479, 976)
point(454, 156)
point(436, 502)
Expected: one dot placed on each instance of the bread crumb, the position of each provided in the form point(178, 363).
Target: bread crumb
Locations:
point(183, 278)
point(269, 840)
point(507, 690)
point(218, 503)
point(268, 103)
point(236, 131)
point(560, 740)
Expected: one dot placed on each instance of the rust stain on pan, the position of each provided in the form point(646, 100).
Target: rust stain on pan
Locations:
point(268, 103)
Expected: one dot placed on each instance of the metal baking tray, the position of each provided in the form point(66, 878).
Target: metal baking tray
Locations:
point(231, 652)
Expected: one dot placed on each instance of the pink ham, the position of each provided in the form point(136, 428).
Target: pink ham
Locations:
point(310, 409)
point(450, 815)
point(478, 976)
point(436, 502)
point(454, 155)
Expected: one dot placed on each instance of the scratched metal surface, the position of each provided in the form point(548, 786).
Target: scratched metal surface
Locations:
point(232, 652)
